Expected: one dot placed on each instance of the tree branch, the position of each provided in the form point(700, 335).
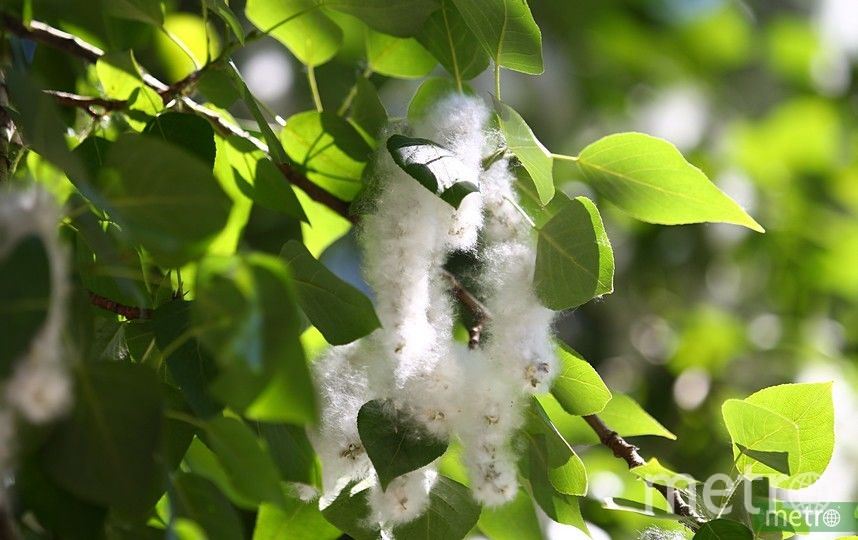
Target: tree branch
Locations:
point(629, 453)
point(87, 102)
point(129, 312)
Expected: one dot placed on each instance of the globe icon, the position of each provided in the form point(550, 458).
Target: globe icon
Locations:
point(831, 517)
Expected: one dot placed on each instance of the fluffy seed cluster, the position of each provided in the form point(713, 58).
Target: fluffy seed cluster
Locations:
point(413, 360)
point(38, 389)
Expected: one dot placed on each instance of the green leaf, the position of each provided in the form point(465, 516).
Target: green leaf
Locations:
point(298, 520)
point(436, 168)
point(189, 364)
point(329, 149)
point(222, 9)
point(553, 456)
point(626, 417)
point(246, 308)
point(451, 42)
point(105, 451)
point(367, 110)
point(163, 197)
point(147, 11)
point(451, 514)
point(186, 131)
point(402, 18)
point(118, 74)
point(647, 178)
point(507, 32)
point(270, 189)
point(247, 464)
point(350, 511)
point(515, 520)
point(275, 149)
point(313, 37)
point(656, 473)
point(521, 141)
point(398, 57)
point(197, 499)
point(778, 461)
point(25, 298)
point(429, 93)
point(578, 387)
point(291, 450)
point(723, 529)
point(793, 418)
point(341, 312)
point(395, 443)
point(574, 260)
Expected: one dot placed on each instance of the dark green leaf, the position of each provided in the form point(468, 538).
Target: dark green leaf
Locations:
point(507, 32)
point(55, 508)
point(723, 529)
point(395, 443)
point(105, 452)
point(187, 131)
point(341, 312)
point(271, 190)
point(451, 514)
point(574, 260)
point(189, 364)
point(350, 512)
point(367, 111)
point(25, 298)
point(247, 464)
point(436, 168)
point(222, 9)
point(163, 197)
point(291, 451)
point(197, 499)
point(448, 38)
point(147, 11)
point(778, 461)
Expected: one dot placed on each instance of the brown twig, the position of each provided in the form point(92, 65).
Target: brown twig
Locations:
point(87, 103)
point(629, 453)
point(317, 193)
point(129, 312)
point(43, 33)
point(473, 305)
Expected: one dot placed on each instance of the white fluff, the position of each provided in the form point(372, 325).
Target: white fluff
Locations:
point(407, 235)
point(519, 332)
point(405, 498)
point(39, 388)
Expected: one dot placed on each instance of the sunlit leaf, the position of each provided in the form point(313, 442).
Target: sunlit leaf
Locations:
point(310, 34)
point(507, 32)
point(648, 178)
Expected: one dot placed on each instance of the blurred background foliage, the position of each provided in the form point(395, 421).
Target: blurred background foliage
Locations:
point(761, 95)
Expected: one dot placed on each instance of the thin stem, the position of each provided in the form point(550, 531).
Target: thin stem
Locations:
point(347, 102)
point(564, 157)
point(314, 88)
point(520, 211)
point(497, 81)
